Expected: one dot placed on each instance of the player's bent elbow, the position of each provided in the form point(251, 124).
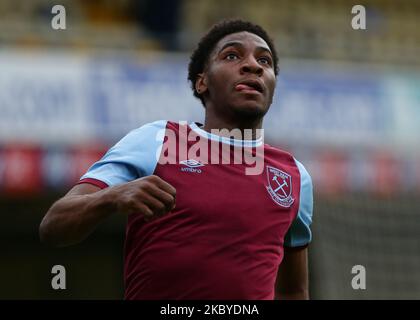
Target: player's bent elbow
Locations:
point(48, 233)
point(44, 232)
point(48, 237)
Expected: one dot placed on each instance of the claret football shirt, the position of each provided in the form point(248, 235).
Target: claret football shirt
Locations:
point(226, 236)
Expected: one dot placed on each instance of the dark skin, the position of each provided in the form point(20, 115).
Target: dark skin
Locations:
point(237, 58)
point(292, 277)
point(238, 63)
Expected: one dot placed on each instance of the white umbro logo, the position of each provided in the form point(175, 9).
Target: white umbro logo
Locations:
point(192, 166)
point(192, 163)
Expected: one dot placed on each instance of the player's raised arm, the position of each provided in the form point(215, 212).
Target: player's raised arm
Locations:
point(72, 218)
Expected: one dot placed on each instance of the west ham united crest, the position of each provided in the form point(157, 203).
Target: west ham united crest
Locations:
point(280, 187)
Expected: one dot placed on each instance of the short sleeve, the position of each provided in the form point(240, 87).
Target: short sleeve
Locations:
point(299, 233)
point(134, 156)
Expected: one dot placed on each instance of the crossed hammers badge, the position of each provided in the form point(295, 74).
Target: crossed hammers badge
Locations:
point(280, 186)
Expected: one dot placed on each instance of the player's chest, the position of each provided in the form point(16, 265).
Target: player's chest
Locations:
point(215, 193)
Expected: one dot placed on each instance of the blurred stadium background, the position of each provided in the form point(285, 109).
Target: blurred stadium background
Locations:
point(347, 105)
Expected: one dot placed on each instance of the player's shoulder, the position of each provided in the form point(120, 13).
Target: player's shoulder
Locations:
point(146, 133)
point(304, 173)
point(147, 130)
point(154, 125)
point(278, 153)
point(287, 156)
point(158, 125)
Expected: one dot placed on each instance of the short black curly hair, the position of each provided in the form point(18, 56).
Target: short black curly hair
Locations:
point(200, 56)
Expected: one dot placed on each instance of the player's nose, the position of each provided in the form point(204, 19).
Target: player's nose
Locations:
point(251, 65)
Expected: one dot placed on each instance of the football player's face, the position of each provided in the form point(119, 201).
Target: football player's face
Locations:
point(240, 75)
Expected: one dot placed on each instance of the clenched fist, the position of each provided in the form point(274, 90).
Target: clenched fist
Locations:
point(149, 195)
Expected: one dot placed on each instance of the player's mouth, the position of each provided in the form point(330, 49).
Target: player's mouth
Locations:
point(250, 87)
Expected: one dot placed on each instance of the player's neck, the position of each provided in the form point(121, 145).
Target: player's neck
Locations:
point(218, 123)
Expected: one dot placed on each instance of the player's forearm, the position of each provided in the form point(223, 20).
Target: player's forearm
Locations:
point(72, 218)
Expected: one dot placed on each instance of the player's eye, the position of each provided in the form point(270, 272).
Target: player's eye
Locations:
point(265, 60)
point(231, 56)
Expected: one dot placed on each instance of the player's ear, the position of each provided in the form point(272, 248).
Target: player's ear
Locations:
point(201, 83)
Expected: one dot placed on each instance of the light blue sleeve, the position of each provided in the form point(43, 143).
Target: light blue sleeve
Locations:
point(134, 156)
point(299, 233)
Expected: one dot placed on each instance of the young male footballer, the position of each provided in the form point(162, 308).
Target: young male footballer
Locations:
point(201, 224)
